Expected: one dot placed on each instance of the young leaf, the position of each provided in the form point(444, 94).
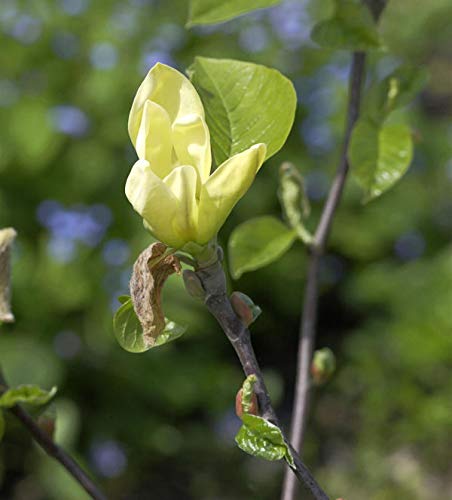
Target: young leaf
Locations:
point(245, 104)
point(350, 28)
point(262, 439)
point(248, 393)
point(395, 91)
point(29, 394)
point(127, 328)
point(293, 199)
point(217, 11)
point(171, 332)
point(129, 333)
point(258, 242)
point(379, 155)
point(122, 299)
point(2, 425)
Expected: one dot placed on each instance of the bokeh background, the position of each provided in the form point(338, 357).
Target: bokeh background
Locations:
point(160, 425)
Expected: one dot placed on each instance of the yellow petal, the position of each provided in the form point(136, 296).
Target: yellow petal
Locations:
point(154, 139)
point(154, 201)
point(191, 141)
point(182, 183)
point(225, 187)
point(168, 88)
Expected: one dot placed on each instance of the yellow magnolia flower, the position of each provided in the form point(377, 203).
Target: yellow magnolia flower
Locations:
point(170, 185)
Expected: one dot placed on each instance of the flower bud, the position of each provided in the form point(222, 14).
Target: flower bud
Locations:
point(245, 308)
point(323, 365)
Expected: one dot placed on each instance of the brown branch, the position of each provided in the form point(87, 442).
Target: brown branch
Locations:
point(310, 304)
point(52, 449)
point(216, 299)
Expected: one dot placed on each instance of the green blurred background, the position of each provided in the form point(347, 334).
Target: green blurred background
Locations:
point(160, 425)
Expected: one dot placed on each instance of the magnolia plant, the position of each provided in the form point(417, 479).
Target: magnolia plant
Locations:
point(200, 141)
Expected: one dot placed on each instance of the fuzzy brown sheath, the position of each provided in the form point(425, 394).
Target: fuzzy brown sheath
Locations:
point(150, 271)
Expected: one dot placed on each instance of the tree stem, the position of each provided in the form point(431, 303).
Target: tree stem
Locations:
point(52, 449)
point(217, 302)
point(309, 314)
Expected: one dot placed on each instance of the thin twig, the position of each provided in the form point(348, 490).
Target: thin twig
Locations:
point(309, 314)
point(317, 248)
point(217, 301)
point(52, 449)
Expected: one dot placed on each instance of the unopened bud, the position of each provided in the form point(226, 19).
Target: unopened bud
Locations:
point(47, 420)
point(193, 284)
point(246, 399)
point(323, 365)
point(245, 308)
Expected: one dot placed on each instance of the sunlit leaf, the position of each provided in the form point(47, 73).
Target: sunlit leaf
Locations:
point(29, 394)
point(350, 28)
point(217, 11)
point(262, 439)
point(245, 104)
point(379, 155)
point(129, 333)
point(258, 242)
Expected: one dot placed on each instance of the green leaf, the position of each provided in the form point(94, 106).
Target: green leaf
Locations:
point(350, 28)
point(128, 329)
point(29, 394)
point(260, 438)
point(395, 91)
point(258, 242)
point(293, 199)
point(379, 155)
point(248, 392)
point(129, 333)
point(217, 11)
point(2, 425)
point(171, 332)
point(122, 299)
point(245, 104)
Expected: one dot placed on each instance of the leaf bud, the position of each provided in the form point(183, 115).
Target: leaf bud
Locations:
point(323, 365)
point(245, 308)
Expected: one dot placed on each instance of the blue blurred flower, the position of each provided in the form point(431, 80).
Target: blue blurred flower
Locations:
point(68, 226)
point(409, 246)
point(108, 458)
point(74, 7)
point(65, 45)
point(317, 136)
point(26, 29)
point(116, 252)
point(150, 58)
point(291, 23)
point(67, 344)
point(69, 120)
point(124, 19)
point(104, 55)
point(316, 185)
point(61, 249)
point(254, 38)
